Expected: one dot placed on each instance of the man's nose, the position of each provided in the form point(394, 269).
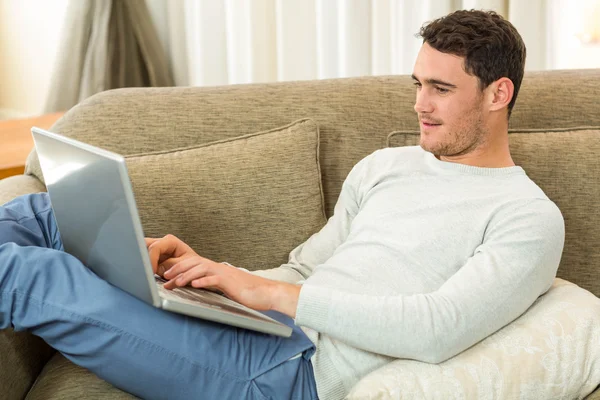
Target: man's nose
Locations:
point(423, 103)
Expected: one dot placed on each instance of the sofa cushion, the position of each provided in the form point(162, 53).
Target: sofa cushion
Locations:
point(61, 379)
point(22, 357)
point(564, 163)
point(552, 351)
point(248, 200)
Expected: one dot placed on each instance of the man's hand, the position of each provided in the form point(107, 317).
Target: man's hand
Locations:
point(174, 260)
point(166, 252)
point(250, 290)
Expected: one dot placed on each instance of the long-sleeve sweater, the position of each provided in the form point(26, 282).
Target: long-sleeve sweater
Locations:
point(421, 260)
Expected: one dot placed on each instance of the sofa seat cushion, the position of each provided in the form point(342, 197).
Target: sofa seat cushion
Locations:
point(61, 379)
point(248, 200)
point(552, 351)
point(22, 357)
point(564, 163)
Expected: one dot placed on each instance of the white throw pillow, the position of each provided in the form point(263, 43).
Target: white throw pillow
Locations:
point(552, 351)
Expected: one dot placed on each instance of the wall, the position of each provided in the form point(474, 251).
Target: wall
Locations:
point(29, 35)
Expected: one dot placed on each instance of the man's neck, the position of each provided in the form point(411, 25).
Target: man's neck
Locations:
point(492, 153)
point(494, 160)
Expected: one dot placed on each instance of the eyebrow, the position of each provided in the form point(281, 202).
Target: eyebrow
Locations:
point(435, 82)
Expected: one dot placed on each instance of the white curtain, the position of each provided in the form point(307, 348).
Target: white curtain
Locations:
point(106, 44)
point(217, 42)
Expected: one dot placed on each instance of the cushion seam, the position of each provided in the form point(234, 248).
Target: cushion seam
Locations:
point(222, 141)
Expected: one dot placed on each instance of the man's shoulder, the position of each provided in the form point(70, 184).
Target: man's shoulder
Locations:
point(394, 155)
point(395, 152)
point(383, 163)
point(526, 188)
point(530, 211)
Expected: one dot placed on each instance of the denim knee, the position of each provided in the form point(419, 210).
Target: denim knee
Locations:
point(29, 221)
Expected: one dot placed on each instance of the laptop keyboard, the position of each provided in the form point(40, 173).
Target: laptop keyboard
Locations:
point(188, 294)
point(207, 298)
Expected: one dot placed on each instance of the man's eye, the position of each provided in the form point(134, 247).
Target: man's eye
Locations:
point(441, 90)
point(417, 84)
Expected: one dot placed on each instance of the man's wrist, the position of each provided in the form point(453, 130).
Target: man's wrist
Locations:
point(285, 298)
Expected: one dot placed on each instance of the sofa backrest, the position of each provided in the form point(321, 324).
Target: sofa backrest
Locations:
point(355, 116)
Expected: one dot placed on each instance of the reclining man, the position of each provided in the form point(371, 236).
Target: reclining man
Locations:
point(430, 249)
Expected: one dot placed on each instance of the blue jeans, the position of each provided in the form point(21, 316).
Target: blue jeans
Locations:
point(149, 352)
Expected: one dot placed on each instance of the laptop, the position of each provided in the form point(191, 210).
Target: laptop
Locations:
point(98, 221)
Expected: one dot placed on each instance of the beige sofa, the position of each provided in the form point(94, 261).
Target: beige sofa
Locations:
point(355, 117)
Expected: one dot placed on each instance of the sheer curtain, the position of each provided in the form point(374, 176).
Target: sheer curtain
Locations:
point(221, 42)
point(105, 44)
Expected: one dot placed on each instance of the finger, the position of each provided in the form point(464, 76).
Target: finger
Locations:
point(210, 283)
point(154, 256)
point(149, 241)
point(180, 280)
point(180, 247)
point(166, 265)
point(183, 266)
point(207, 282)
point(185, 278)
point(160, 270)
point(161, 250)
point(171, 284)
point(171, 262)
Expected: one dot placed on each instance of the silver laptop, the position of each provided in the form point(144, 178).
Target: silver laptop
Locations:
point(99, 224)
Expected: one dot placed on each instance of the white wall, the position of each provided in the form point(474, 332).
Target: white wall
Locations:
point(29, 35)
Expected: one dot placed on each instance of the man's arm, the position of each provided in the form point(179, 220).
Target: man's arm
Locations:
point(274, 289)
point(516, 263)
point(268, 289)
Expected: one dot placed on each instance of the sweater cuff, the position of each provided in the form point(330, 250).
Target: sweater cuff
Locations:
point(313, 308)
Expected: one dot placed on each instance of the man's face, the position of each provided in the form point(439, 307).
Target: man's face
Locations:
point(449, 104)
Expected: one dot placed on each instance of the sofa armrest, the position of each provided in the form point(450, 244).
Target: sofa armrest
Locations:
point(18, 185)
point(23, 355)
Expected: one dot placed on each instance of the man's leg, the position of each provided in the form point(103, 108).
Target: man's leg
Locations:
point(143, 350)
point(29, 221)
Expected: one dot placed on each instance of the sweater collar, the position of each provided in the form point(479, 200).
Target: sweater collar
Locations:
point(432, 161)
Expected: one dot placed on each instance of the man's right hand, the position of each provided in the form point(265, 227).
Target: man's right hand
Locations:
point(166, 252)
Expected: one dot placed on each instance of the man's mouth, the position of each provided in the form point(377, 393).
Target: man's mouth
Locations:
point(429, 124)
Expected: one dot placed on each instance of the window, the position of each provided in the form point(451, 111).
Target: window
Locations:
point(574, 34)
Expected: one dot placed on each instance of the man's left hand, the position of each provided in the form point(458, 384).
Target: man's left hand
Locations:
point(250, 290)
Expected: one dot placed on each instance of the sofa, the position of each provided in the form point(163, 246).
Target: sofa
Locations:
point(556, 123)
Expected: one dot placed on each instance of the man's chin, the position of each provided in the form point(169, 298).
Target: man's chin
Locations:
point(433, 148)
point(436, 154)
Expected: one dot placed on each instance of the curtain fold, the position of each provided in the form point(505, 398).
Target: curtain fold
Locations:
point(106, 44)
point(234, 41)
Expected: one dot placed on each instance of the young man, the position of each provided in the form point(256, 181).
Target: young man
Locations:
point(430, 249)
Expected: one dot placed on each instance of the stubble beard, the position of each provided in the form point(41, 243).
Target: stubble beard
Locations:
point(460, 140)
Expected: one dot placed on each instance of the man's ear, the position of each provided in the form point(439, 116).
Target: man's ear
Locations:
point(501, 93)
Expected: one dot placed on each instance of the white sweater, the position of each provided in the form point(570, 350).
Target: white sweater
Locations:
point(421, 259)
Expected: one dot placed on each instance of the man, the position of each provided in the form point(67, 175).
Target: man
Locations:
point(430, 249)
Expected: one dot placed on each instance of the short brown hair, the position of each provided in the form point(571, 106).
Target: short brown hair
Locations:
point(491, 46)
